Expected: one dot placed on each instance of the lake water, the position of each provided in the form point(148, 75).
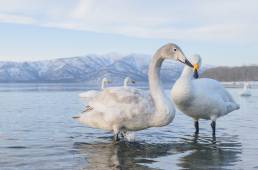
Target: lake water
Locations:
point(37, 132)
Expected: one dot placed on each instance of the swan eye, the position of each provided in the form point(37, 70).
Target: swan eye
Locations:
point(174, 49)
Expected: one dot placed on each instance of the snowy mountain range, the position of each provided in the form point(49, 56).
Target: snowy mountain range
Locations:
point(89, 69)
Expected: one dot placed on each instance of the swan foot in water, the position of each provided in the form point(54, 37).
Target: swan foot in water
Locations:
point(120, 135)
point(127, 136)
point(196, 125)
point(213, 126)
point(116, 133)
point(116, 137)
point(123, 133)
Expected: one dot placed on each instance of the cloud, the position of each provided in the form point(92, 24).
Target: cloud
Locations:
point(219, 21)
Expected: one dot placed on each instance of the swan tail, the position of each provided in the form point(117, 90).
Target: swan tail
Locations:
point(87, 108)
point(233, 106)
point(237, 106)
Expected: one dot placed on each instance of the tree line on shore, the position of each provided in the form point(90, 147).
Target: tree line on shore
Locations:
point(240, 73)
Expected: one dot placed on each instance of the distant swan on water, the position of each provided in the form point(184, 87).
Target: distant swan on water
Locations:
point(245, 92)
point(128, 80)
point(91, 93)
point(201, 98)
point(120, 109)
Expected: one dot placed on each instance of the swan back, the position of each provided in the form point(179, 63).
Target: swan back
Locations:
point(130, 108)
point(88, 94)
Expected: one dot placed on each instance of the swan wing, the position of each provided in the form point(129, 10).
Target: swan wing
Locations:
point(124, 107)
point(214, 87)
point(216, 92)
point(88, 94)
point(132, 99)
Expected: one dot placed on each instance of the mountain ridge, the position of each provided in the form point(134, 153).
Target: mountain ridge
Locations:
point(89, 69)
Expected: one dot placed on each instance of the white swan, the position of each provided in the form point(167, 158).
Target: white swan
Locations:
point(120, 109)
point(91, 93)
point(201, 98)
point(128, 80)
point(245, 92)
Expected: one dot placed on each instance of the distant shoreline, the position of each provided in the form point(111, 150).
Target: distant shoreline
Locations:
point(232, 74)
point(85, 86)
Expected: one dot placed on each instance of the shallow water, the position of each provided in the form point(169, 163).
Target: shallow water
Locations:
point(37, 132)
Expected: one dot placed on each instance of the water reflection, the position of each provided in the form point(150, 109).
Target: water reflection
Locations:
point(209, 152)
point(33, 136)
point(122, 155)
point(199, 153)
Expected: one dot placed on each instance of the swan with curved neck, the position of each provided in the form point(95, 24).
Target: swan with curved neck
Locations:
point(128, 80)
point(202, 98)
point(91, 93)
point(120, 109)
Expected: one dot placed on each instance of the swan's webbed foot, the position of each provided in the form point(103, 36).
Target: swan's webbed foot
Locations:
point(196, 125)
point(213, 126)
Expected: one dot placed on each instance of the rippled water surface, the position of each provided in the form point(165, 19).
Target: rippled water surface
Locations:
point(37, 132)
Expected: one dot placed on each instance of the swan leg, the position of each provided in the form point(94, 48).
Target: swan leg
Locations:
point(213, 126)
point(119, 135)
point(116, 137)
point(196, 125)
point(116, 133)
point(123, 133)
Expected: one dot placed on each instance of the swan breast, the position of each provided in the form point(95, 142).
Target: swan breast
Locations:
point(204, 98)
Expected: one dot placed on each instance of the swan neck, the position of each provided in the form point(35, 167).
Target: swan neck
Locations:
point(125, 82)
point(154, 76)
point(103, 83)
point(187, 73)
point(163, 105)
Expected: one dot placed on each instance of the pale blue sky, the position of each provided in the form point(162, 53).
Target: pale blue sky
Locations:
point(222, 32)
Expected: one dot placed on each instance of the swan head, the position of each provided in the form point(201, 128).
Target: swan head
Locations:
point(129, 80)
point(106, 80)
point(173, 52)
point(196, 60)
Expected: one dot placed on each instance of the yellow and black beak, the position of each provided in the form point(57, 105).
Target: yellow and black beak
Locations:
point(195, 69)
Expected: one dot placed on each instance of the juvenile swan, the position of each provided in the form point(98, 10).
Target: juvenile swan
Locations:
point(120, 109)
point(128, 80)
point(201, 98)
point(91, 93)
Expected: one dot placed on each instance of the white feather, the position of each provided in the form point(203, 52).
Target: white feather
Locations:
point(86, 96)
point(201, 98)
point(131, 109)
